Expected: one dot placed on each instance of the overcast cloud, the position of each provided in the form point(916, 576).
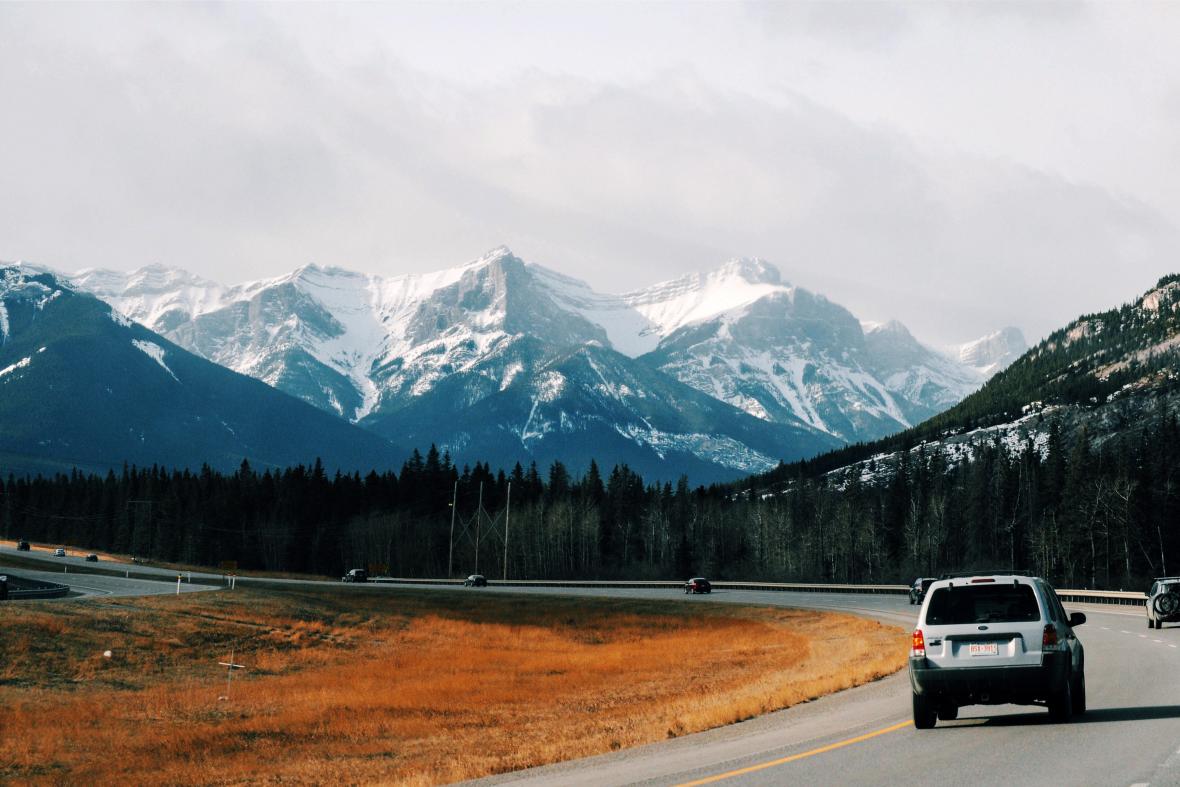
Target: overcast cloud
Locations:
point(959, 167)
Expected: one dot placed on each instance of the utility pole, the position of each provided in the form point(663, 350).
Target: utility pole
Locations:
point(507, 513)
point(478, 522)
point(451, 548)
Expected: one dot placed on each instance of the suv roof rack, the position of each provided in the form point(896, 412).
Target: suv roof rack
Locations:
point(1002, 572)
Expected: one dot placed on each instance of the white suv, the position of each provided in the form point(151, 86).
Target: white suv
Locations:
point(992, 639)
point(1163, 602)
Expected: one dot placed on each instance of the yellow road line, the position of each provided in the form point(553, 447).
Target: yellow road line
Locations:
point(794, 757)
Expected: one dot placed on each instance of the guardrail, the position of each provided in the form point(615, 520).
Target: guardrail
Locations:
point(21, 588)
point(790, 587)
point(1120, 597)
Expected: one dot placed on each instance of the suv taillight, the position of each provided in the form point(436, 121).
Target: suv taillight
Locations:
point(918, 651)
point(1049, 639)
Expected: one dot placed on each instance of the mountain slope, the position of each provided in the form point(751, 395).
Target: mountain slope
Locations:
point(593, 403)
point(82, 386)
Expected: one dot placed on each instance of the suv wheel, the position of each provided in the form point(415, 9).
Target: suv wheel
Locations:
point(1061, 702)
point(1166, 604)
point(1079, 695)
point(925, 716)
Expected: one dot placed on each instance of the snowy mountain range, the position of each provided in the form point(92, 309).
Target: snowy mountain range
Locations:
point(503, 360)
point(82, 386)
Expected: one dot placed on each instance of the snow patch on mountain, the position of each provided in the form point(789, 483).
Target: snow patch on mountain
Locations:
point(155, 352)
point(1031, 429)
point(637, 321)
point(715, 448)
point(22, 363)
point(548, 388)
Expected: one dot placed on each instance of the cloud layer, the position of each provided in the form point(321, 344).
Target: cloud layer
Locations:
point(877, 157)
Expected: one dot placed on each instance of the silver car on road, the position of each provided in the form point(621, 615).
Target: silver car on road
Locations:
point(994, 639)
point(1163, 602)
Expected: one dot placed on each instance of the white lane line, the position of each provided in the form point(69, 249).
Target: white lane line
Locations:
point(1160, 641)
point(1124, 632)
point(1171, 646)
point(96, 590)
point(1142, 636)
point(1106, 628)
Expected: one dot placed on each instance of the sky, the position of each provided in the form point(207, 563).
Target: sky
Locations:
point(958, 166)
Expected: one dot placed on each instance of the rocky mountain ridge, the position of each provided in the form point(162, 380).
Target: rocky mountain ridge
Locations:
point(384, 351)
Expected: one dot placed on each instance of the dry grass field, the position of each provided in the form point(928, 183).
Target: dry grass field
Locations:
point(393, 687)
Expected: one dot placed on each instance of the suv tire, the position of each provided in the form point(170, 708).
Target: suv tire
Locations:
point(1166, 604)
point(925, 716)
point(1061, 702)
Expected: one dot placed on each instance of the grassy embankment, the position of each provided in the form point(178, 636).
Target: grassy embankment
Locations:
point(409, 687)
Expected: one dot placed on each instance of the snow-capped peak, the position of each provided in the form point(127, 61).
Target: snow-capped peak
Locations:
point(753, 270)
point(994, 352)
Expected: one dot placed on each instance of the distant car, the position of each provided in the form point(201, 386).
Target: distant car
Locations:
point(92, 558)
point(919, 588)
point(136, 561)
point(476, 581)
point(22, 546)
point(1163, 602)
point(59, 552)
point(356, 575)
point(698, 585)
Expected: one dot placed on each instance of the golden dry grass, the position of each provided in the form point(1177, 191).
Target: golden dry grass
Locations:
point(393, 687)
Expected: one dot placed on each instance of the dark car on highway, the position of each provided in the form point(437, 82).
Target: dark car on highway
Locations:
point(356, 575)
point(698, 585)
point(92, 558)
point(919, 588)
point(476, 581)
point(22, 546)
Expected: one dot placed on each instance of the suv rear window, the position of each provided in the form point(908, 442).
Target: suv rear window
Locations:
point(983, 604)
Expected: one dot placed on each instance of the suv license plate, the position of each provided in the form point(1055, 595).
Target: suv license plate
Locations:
point(983, 649)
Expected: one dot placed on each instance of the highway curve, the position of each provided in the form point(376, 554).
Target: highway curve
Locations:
point(76, 572)
point(1129, 736)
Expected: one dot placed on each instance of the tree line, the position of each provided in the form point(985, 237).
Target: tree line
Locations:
point(1079, 513)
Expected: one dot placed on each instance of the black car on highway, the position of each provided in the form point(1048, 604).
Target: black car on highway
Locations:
point(22, 546)
point(698, 585)
point(356, 575)
point(476, 581)
point(919, 588)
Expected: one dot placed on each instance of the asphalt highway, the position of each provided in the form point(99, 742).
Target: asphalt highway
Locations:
point(75, 571)
point(1130, 734)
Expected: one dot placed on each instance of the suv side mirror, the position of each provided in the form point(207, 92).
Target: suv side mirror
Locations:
point(1076, 619)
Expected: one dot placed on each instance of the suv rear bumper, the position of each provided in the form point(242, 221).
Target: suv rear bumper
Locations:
point(999, 685)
